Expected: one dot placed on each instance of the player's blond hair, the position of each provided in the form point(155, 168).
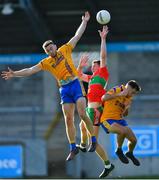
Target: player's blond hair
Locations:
point(46, 43)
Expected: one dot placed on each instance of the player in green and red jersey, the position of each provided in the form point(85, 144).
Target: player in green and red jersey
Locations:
point(96, 89)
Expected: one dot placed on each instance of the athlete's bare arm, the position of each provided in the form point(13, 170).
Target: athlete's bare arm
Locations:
point(103, 51)
point(107, 97)
point(111, 94)
point(83, 62)
point(21, 73)
point(73, 41)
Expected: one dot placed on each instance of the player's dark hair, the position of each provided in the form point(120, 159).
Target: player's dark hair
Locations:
point(134, 85)
point(96, 61)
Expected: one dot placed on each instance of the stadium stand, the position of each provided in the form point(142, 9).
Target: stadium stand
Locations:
point(58, 19)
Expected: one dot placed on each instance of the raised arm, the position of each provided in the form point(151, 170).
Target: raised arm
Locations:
point(83, 62)
point(103, 51)
point(21, 73)
point(73, 41)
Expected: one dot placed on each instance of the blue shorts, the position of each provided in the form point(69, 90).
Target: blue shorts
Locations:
point(71, 92)
point(106, 124)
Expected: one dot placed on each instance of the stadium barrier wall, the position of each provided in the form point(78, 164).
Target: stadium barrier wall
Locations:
point(34, 157)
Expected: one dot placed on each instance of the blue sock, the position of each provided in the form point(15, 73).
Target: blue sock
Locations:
point(72, 146)
point(93, 139)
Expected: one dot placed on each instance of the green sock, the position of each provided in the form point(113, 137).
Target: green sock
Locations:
point(107, 164)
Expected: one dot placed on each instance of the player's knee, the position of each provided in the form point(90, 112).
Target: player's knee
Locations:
point(134, 140)
point(68, 121)
point(82, 114)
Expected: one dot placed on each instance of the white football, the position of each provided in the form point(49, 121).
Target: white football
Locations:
point(103, 17)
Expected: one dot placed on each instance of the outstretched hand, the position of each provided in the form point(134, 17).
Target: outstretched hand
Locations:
point(104, 32)
point(7, 74)
point(86, 16)
point(84, 60)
